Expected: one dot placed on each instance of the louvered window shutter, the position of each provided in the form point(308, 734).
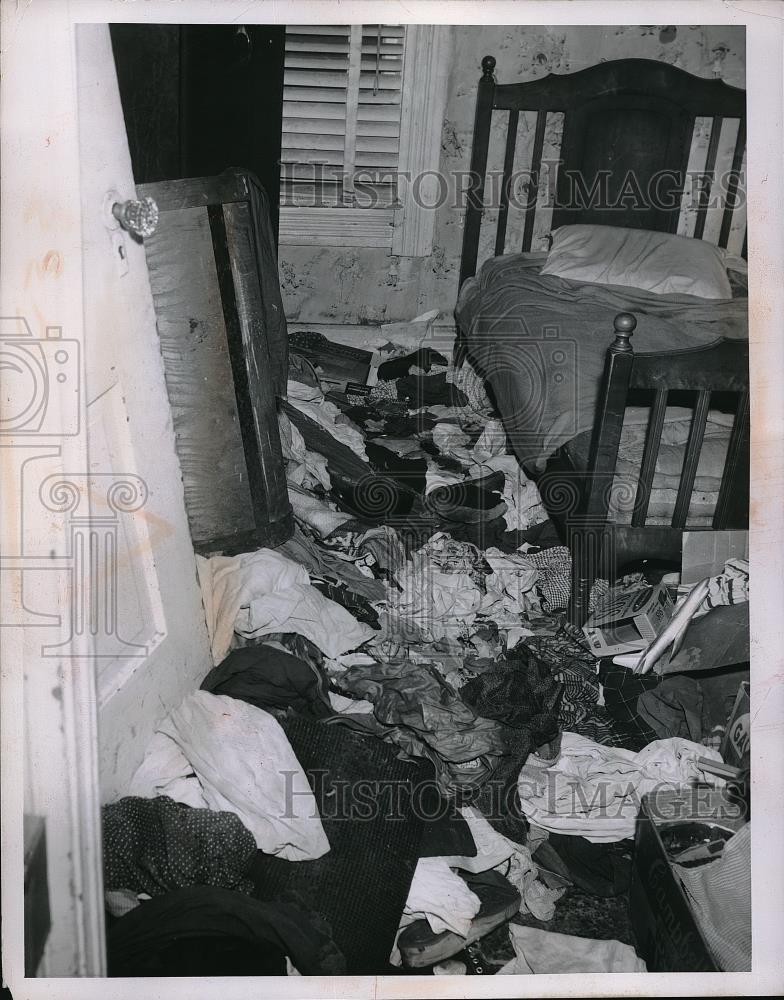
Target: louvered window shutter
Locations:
point(341, 115)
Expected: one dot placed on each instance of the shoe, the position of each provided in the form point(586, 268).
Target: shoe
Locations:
point(420, 947)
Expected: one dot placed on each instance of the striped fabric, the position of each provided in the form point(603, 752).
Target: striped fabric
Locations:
point(720, 895)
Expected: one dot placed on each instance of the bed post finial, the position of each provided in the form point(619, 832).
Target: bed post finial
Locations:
point(488, 67)
point(625, 324)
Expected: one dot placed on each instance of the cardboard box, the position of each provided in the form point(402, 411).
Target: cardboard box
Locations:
point(706, 552)
point(628, 621)
point(668, 936)
point(737, 737)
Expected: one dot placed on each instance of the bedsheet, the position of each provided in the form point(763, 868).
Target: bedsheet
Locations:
point(540, 342)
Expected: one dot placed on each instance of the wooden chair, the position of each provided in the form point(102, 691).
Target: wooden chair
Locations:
point(601, 547)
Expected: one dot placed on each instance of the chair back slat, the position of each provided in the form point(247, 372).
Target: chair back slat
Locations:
point(503, 208)
point(533, 183)
point(732, 184)
point(732, 505)
point(710, 167)
point(691, 459)
point(649, 456)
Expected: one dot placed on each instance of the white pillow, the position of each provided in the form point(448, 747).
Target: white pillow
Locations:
point(639, 258)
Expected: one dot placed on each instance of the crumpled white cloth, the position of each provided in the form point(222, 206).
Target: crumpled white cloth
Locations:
point(316, 513)
point(512, 860)
point(436, 477)
point(301, 463)
point(296, 390)
point(594, 791)
point(514, 578)
point(452, 441)
point(441, 604)
point(535, 897)
point(524, 506)
point(492, 847)
point(435, 894)
point(256, 593)
point(543, 952)
point(490, 443)
point(217, 752)
point(350, 706)
point(441, 896)
point(326, 414)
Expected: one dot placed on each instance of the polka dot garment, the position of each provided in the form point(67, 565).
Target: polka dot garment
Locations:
point(153, 845)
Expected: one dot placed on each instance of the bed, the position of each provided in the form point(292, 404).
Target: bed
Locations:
point(649, 165)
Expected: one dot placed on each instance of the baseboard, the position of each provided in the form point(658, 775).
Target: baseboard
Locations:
point(441, 335)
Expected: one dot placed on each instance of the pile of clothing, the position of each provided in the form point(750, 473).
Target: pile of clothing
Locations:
point(411, 621)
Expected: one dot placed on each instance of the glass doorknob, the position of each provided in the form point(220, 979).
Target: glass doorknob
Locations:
point(137, 217)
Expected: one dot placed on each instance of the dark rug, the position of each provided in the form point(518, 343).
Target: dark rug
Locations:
point(374, 809)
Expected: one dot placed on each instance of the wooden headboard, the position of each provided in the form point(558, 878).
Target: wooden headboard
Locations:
point(628, 127)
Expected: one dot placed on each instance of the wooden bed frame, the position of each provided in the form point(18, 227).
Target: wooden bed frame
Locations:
point(621, 118)
point(599, 547)
point(631, 116)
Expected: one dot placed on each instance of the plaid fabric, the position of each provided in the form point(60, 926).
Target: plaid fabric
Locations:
point(521, 693)
point(622, 688)
point(574, 666)
point(555, 578)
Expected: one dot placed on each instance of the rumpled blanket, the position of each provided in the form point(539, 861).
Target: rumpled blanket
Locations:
point(540, 342)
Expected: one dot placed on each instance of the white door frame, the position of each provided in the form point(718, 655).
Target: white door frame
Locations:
point(49, 714)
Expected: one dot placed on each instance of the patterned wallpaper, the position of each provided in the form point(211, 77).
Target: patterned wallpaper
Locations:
point(351, 285)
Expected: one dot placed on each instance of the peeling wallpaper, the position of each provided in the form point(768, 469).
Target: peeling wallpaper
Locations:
point(354, 285)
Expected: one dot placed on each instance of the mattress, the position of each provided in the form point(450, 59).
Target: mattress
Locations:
point(669, 463)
